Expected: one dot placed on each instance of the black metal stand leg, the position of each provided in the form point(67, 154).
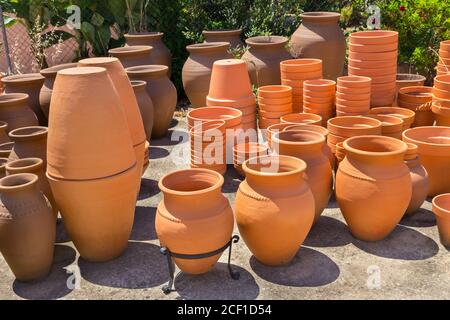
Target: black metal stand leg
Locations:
point(234, 274)
point(168, 288)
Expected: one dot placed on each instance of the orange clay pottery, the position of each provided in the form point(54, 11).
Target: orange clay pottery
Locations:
point(5, 149)
point(3, 132)
point(319, 97)
point(409, 80)
point(232, 36)
point(302, 118)
point(406, 115)
point(27, 227)
point(45, 94)
point(162, 92)
point(29, 142)
point(131, 56)
point(319, 36)
point(194, 217)
point(271, 130)
point(417, 99)
point(15, 111)
point(30, 84)
point(3, 162)
point(441, 208)
point(390, 126)
point(434, 151)
point(145, 106)
point(373, 179)
point(263, 59)
point(274, 199)
point(196, 73)
point(352, 126)
point(340, 152)
point(441, 111)
point(246, 151)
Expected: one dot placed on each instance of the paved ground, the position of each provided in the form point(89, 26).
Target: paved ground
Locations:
point(409, 264)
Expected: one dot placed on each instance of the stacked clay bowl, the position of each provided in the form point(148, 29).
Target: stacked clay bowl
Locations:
point(294, 72)
point(374, 54)
point(390, 126)
point(208, 146)
point(274, 102)
point(441, 111)
point(353, 95)
point(441, 88)
point(340, 152)
point(443, 66)
point(302, 118)
point(275, 128)
point(417, 99)
point(406, 115)
point(319, 97)
point(245, 151)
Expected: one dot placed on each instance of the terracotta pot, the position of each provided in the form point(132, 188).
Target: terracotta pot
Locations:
point(354, 126)
point(145, 106)
point(29, 142)
point(15, 111)
point(441, 208)
point(160, 54)
point(131, 56)
point(274, 199)
point(415, 95)
point(162, 92)
point(406, 115)
point(34, 166)
point(263, 59)
point(363, 48)
point(305, 118)
point(372, 179)
point(374, 73)
point(359, 63)
point(246, 151)
point(377, 37)
point(442, 82)
point(271, 130)
point(390, 126)
point(308, 146)
point(27, 227)
point(30, 84)
point(5, 149)
point(197, 69)
point(319, 36)
point(445, 45)
point(441, 112)
point(409, 80)
point(232, 36)
point(4, 132)
point(264, 123)
point(187, 229)
point(88, 134)
point(444, 54)
point(45, 94)
point(3, 162)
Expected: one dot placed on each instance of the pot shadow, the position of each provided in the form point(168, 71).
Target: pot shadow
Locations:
point(144, 224)
point(309, 268)
point(140, 266)
point(333, 204)
point(403, 244)
point(61, 233)
point(173, 123)
point(173, 138)
point(155, 153)
point(232, 180)
point(54, 286)
point(149, 188)
point(328, 232)
point(217, 285)
point(422, 218)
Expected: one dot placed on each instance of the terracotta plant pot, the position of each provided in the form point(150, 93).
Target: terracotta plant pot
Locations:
point(45, 94)
point(197, 69)
point(246, 151)
point(29, 142)
point(15, 111)
point(319, 97)
point(319, 36)
point(185, 229)
point(274, 102)
point(417, 99)
point(441, 112)
point(409, 80)
point(406, 115)
point(263, 59)
point(145, 106)
point(3, 162)
point(30, 84)
point(271, 130)
point(390, 126)
point(162, 92)
point(232, 36)
point(434, 153)
point(5, 149)
point(302, 118)
point(274, 199)
point(351, 89)
point(372, 179)
point(4, 132)
point(27, 227)
point(131, 56)
point(354, 126)
point(441, 208)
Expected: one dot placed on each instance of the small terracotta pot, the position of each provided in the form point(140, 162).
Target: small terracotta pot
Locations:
point(273, 115)
point(445, 45)
point(409, 80)
point(145, 106)
point(373, 56)
point(5, 149)
point(415, 94)
point(442, 82)
point(354, 82)
point(271, 130)
point(406, 115)
point(232, 36)
point(4, 132)
point(359, 63)
point(3, 162)
point(390, 126)
point(441, 208)
point(320, 85)
point(301, 65)
point(275, 92)
point(353, 97)
point(419, 179)
point(373, 48)
point(441, 112)
point(354, 126)
point(131, 56)
point(29, 142)
point(377, 37)
point(444, 54)
point(280, 108)
point(439, 94)
point(373, 73)
point(15, 111)
point(246, 151)
point(305, 118)
point(264, 123)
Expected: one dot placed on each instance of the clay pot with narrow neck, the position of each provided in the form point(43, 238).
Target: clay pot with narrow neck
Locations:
point(15, 111)
point(3, 132)
point(27, 227)
point(263, 59)
point(131, 56)
point(441, 209)
point(232, 36)
point(160, 54)
point(45, 94)
point(3, 162)
point(197, 69)
point(30, 84)
point(274, 199)
point(162, 92)
point(319, 36)
point(194, 217)
point(373, 178)
point(419, 179)
point(308, 146)
point(145, 106)
point(29, 142)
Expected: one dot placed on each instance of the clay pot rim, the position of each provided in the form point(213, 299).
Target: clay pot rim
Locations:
point(144, 35)
point(301, 62)
point(319, 83)
point(24, 79)
point(272, 128)
point(306, 127)
point(394, 121)
point(320, 16)
point(130, 50)
point(13, 98)
point(97, 61)
point(207, 47)
point(412, 148)
point(27, 133)
point(148, 69)
point(52, 71)
point(16, 182)
point(7, 146)
point(249, 148)
point(406, 135)
point(402, 147)
point(310, 116)
point(138, 84)
point(317, 138)
point(443, 78)
point(372, 123)
point(162, 184)
point(441, 211)
point(81, 71)
point(410, 77)
point(233, 113)
point(3, 125)
point(439, 109)
point(352, 80)
point(228, 32)
point(379, 36)
point(24, 165)
point(266, 41)
point(413, 89)
point(3, 162)
point(211, 126)
point(401, 111)
point(301, 165)
point(275, 89)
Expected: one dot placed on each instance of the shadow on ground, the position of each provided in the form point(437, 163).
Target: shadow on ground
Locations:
point(157, 153)
point(144, 224)
point(232, 180)
point(172, 138)
point(149, 188)
point(61, 233)
point(423, 218)
point(328, 232)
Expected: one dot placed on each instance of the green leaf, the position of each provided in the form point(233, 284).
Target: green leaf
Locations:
point(88, 31)
point(97, 19)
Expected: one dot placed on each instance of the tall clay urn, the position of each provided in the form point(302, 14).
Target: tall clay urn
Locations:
point(194, 217)
point(145, 106)
point(131, 56)
point(320, 37)
point(29, 142)
point(14, 109)
point(232, 36)
point(27, 227)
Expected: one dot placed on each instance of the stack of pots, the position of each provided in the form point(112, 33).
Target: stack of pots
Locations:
point(374, 54)
point(245, 151)
point(319, 97)
point(353, 95)
point(406, 115)
point(91, 164)
point(131, 56)
point(273, 102)
point(302, 118)
point(443, 66)
point(390, 126)
point(441, 99)
point(294, 72)
point(419, 100)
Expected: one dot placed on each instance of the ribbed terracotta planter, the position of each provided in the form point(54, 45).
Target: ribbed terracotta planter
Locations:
point(232, 36)
point(131, 56)
point(354, 126)
point(390, 126)
point(417, 99)
point(441, 111)
point(419, 178)
point(29, 142)
point(145, 106)
point(4, 132)
point(441, 208)
point(15, 111)
point(353, 95)
point(319, 97)
point(274, 102)
point(406, 115)
point(302, 118)
point(245, 151)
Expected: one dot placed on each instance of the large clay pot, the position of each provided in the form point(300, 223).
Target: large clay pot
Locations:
point(419, 179)
point(5, 149)
point(45, 94)
point(274, 200)
point(29, 142)
point(160, 53)
point(194, 217)
point(27, 227)
point(15, 111)
point(441, 208)
point(232, 36)
point(30, 84)
point(197, 69)
point(263, 59)
point(131, 56)
point(162, 92)
point(434, 153)
point(145, 106)
point(308, 146)
point(3, 132)
point(319, 36)
point(373, 179)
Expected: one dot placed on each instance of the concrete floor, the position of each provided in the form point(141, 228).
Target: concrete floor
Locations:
point(409, 264)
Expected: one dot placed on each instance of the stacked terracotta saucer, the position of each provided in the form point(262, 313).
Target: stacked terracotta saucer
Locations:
point(408, 116)
point(390, 126)
point(302, 118)
point(419, 100)
point(319, 97)
point(246, 151)
point(374, 54)
point(443, 66)
point(353, 95)
point(274, 102)
point(441, 99)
